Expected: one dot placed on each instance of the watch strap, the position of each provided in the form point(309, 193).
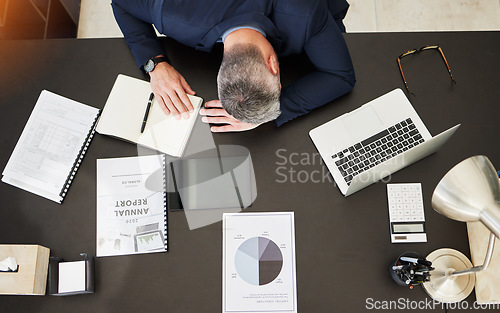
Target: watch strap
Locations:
point(148, 68)
point(157, 60)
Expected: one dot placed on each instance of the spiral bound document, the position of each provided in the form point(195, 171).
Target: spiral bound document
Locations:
point(131, 205)
point(52, 146)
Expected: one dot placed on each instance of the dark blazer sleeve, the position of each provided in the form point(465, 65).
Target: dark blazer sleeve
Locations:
point(139, 34)
point(334, 75)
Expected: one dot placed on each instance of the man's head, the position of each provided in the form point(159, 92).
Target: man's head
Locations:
point(249, 87)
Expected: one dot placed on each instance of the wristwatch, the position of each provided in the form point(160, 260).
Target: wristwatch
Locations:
point(151, 63)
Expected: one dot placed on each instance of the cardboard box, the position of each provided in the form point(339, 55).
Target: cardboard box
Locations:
point(31, 278)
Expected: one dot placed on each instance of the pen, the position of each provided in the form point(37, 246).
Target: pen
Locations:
point(415, 261)
point(146, 114)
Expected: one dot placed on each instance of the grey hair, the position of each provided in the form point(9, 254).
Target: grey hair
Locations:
point(247, 89)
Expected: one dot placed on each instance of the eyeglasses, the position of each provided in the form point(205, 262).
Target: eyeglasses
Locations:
point(413, 51)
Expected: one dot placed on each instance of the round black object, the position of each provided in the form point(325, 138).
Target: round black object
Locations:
point(397, 277)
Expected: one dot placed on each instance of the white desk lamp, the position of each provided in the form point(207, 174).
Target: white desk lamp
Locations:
point(469, 192)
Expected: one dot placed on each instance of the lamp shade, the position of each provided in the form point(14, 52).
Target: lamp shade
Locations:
point(470, 192)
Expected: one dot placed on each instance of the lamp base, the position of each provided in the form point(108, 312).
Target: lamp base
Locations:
point(442, 286)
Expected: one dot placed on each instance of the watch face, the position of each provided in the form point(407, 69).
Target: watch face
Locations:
point(149, 66)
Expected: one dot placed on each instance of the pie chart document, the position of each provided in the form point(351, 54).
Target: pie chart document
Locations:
point(258, 260)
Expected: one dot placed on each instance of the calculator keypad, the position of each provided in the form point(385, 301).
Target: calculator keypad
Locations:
point(405, 202)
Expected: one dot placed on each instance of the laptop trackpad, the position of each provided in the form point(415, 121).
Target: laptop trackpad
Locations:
point(363, 123)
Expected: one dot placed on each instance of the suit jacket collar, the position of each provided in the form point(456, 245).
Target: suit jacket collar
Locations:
point(207, 43)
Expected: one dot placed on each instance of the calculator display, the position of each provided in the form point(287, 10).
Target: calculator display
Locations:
point(407, 228)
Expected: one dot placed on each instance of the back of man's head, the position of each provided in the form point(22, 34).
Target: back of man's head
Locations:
point(247, 89)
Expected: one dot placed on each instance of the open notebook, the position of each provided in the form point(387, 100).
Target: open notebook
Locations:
point(123, 114)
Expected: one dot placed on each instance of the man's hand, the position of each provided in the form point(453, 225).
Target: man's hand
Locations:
point(214, 113)
point(170, 89)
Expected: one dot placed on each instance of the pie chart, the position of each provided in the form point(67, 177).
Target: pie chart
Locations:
point(258, 261)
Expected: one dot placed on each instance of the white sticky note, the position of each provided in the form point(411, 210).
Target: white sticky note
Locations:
point(71, 276)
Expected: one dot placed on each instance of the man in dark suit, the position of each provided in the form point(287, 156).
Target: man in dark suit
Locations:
point(254, 33)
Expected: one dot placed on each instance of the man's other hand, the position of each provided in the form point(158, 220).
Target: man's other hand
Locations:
point(215, 114)
point(171, 89)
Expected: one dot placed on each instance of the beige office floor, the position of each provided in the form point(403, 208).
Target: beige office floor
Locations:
point(96, 17)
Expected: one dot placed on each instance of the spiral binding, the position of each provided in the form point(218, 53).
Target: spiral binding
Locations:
point(78, 161)
point(164, 159)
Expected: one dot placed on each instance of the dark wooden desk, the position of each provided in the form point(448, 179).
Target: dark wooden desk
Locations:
point(343, 244)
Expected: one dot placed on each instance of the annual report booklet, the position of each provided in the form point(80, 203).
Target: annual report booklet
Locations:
point(131, 205)
point(124, 112)
point(51, 146)
point(258, 260)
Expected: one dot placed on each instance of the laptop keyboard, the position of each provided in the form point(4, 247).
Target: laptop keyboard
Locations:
point(377, 149)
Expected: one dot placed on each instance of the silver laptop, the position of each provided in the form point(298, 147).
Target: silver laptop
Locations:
point(374, 141)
